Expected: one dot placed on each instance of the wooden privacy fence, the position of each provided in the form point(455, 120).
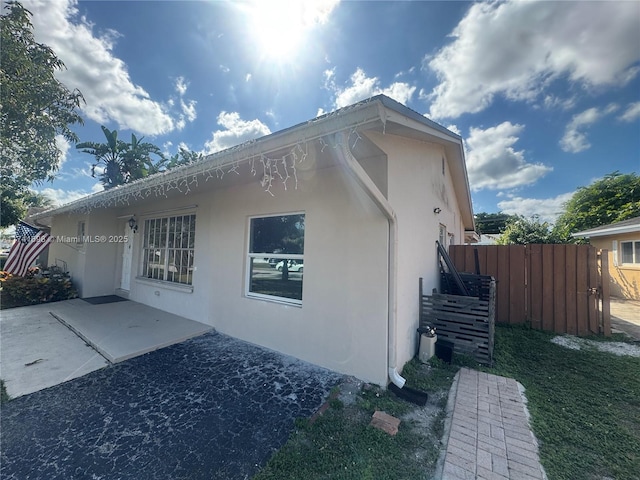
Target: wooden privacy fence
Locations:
point(560, 288)
point(465, 321)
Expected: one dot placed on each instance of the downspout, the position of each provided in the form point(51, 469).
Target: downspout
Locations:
point(347, 159)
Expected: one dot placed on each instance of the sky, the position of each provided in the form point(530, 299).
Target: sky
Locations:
point(546, 95)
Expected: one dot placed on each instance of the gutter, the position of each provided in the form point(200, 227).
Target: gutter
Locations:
point(352, 166)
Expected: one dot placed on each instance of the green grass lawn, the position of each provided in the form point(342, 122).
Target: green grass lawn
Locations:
point(341, 445)
point(584, 404)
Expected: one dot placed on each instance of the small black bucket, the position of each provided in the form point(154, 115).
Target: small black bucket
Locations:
point(444, 350)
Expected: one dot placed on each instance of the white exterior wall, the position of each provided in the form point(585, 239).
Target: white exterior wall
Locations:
point(70, 252)
point(342, 323)
point(417, 186)
point(91, 263)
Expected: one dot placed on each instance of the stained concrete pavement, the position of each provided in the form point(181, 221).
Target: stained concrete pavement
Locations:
point(209, 408)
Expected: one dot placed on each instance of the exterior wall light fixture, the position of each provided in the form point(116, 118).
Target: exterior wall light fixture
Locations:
point(133, 225)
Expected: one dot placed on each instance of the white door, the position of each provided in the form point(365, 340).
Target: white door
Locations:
point(125, 279)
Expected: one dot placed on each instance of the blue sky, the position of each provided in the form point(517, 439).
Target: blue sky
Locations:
point(545, 94)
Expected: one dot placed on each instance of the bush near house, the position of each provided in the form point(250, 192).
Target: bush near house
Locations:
point(51, 285)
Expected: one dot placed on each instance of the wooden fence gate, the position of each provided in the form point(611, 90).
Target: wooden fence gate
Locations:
point(559, 288)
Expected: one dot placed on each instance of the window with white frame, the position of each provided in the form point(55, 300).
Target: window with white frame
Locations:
point(168, 248)
point(630, 252)
point(275, 265)
point(80, 233)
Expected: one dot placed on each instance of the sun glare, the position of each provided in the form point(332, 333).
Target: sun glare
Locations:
point(280, 27)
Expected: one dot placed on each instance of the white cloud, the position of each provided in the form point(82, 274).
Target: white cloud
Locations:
point(189, 109)
point(64, 146)
point(236, 131)
point(553, 101)
point(247, 77)
point(62, 197)
point(517, 49)
point(574, 139)
point(92, 68)
point(181, 86)
point(493, 163)
point(362, 87)
point(454, 128)
point(547, 209)
point(631, 113)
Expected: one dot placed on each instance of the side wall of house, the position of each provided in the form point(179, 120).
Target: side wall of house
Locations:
point(342, 323)
point(625, 278)
point(417, 186)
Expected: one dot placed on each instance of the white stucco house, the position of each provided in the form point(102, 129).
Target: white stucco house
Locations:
point(348, 204)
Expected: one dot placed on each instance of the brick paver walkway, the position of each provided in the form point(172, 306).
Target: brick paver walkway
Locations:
point(489, 435)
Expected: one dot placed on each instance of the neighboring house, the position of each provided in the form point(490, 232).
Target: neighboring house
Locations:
point(622, 240)
point(353, 201)
point(488, 239)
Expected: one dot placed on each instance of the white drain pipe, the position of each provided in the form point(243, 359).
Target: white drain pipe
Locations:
point(357, 172)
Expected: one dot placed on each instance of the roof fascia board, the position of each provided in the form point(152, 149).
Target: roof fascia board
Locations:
point(607, 231)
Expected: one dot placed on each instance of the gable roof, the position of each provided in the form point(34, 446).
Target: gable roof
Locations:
point(378, 112)
point(626, 226)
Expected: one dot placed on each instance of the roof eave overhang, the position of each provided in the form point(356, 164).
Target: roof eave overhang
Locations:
point(374, 113)
point(364, 115)
point(607, 232)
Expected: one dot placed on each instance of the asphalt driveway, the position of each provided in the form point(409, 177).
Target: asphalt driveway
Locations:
point(209, 408)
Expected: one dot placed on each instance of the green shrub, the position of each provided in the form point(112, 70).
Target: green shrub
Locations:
point(36, 287)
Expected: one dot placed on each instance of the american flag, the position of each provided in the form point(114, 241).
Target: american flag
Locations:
point(29, 243)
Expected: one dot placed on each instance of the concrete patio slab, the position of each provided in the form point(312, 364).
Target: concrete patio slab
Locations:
point(37, 351)
point(625, 316)
point(124, 330)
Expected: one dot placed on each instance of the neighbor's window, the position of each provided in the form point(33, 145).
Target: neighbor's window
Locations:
point(168, 248)
point(630, 252)
point(276, 258)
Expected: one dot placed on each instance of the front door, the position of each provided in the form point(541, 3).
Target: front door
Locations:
point(127, 253)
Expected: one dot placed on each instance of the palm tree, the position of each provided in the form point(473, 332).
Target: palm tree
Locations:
point(123, 162)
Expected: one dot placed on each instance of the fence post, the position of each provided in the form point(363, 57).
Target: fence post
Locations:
point(594, 288)
point(604, 287)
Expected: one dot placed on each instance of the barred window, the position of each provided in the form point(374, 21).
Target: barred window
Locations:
point(168, 248)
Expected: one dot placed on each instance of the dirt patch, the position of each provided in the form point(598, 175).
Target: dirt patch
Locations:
point(617, 348)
